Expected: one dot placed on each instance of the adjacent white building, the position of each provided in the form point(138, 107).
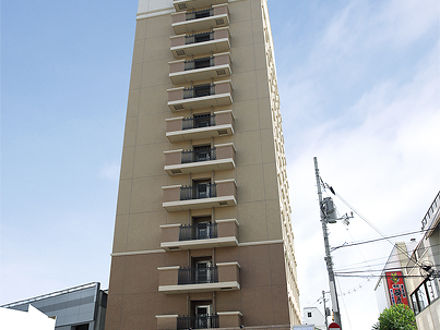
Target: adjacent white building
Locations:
point(13, 319)
point(313, 316)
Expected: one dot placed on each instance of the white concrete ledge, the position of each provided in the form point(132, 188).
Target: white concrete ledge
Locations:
point(168, 268)
point(227, 220)
point(230, 313)
point(171, 187)
point(174, 225)
point(166, 316)
point(232, 263)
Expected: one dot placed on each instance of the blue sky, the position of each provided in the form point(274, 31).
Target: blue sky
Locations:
point(359, 85)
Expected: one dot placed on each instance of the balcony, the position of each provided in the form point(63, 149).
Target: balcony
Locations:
point(205, 19)
point(216, 41)
point(199, 236)
point(222, 277)
point(221, 193)
point(195, 4)
point(200, 126)
point(200, 96)
point(206, 68)
point(179, 198)
point(200, 159)
point(218, 320)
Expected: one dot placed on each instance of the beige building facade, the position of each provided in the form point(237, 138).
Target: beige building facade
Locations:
point(203, 236)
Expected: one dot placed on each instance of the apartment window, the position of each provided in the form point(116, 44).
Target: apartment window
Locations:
point(203, 62)
point(414, 303)
point(433, 289)
point(202, 90)
point(425, 295)
point(422, 297)
point(81, 327)
point(309, 314)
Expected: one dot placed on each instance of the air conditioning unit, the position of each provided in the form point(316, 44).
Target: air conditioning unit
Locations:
point(178, 107)
point(221, 72)
point(222, 132)
point(176, 171)
point(219, 21)
point(180, 52)
point(182, 6)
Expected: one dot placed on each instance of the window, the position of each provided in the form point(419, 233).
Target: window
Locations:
point(81, 327)
point(309, 314)
point(414, 303)
point(422, 297)
point(433, 289)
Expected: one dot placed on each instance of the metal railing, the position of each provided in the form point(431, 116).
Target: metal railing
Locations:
point(434, 206)
point(198, 191)
point(198, 121)
point(199, 37)
point(199, 63)
point(198, 91)
point(207, 190)
point(197, 322)
point(200, 155)
point(198, 275)
point(198, 231)
point(199, 14)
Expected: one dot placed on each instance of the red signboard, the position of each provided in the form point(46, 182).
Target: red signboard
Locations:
point(396, 288)
point(334, 326)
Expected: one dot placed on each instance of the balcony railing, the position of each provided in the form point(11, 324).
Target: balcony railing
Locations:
point(199, 14)
point(197, 192)
point(180, 5)
point(199, 236)
point(198, 275)
point(199, 91)
point(199, 37)
point(227, 319)
point(220, 123)
point(198, 322)
point(433, 210)
point(198, 231)
point(223, 276)
point(200, 96)
point(201, 19)
point(203, 43)
point(200, 155)
point(179, 198)
point(200, 63)
point(198, 121)
point(199, 69)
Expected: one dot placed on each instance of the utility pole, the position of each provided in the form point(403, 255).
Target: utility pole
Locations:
point(328, 256)
point(325, 309)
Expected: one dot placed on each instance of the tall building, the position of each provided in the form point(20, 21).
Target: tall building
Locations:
point(203, 237)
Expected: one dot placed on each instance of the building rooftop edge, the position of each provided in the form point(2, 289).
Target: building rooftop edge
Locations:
point(53, 294)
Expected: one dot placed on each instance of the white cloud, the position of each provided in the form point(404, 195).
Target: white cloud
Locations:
point(381, 153)
point(110, 172)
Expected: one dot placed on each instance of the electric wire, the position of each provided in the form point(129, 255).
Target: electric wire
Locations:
point(368, 222)
point(377, 239)
point(378, 264)
point(377, 270)
point(347, 314)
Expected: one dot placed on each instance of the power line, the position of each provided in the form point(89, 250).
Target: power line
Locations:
point(377, 239)
point(370, 224)
point(378, 270)
point(378, 276)
point(379, 264)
